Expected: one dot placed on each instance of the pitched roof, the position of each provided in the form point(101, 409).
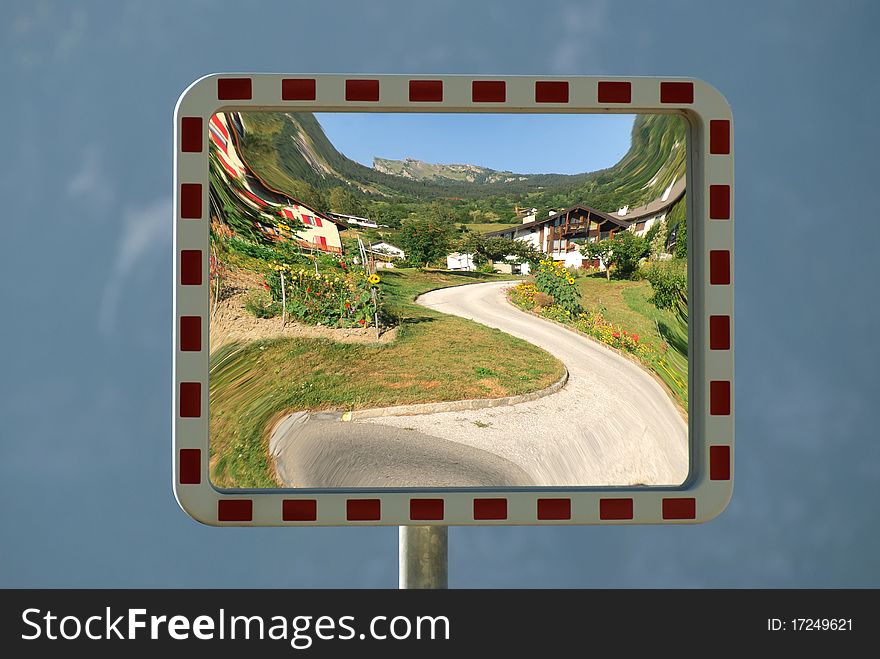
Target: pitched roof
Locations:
point(606, 217)
point(650, 209)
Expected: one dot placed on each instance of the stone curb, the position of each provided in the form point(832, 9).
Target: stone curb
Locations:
point(291, 419)
point(455, 405)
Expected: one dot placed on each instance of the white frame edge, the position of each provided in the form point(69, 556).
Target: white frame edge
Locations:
point(711, 435)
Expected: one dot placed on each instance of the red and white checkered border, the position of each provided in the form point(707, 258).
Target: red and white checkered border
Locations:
point(708, 488)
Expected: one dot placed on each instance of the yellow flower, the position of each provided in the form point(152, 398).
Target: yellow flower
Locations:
point(571, 280)
point(374, 279)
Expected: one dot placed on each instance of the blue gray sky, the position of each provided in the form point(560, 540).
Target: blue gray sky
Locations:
point(85, 284)
point(520, 143)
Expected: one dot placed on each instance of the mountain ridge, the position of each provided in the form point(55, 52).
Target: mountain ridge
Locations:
point(292, 152)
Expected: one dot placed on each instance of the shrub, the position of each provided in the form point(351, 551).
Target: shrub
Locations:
point(669, 284)
point(260, 304)
point(554, 279)
point(544, 300)
point(557, 313)
point(627, 248)
point(285, 251)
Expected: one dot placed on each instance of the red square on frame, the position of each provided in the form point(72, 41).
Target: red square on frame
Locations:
point(299, 510)
point(191, 267)
point(615, 508)
point(551, 91)
point(610, 91)
point(235, 510)
point(190, 201)
point(425, 91)
point(719, 137)
point(719, 202)
point(191, 134)
point(684, 508)
point(719, 267)
point(489, 91)
point(426, 509)
point(361, 90)
point(719, 332)
point(190, 466)
point(234, 89)
point(719, 397)
point(298, 89)
point(554, 508)
point(719, 463)
point(190, 333)
point(363, 510)
point(676, 92)
point(190, 399)
point(490, 508)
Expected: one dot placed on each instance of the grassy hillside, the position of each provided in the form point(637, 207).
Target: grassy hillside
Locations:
point(436, 357)
point(292, 153)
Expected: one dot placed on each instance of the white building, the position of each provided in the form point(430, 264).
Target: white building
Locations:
point(387, 249)
point(457, 261)
point(357, 221)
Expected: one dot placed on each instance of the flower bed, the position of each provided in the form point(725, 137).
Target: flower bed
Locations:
point(556, 280)
point(335, 299)
point(590, 321)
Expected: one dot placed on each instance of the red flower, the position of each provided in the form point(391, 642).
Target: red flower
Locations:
point(635, 337)
point(362, 321)
point(308, 289)
point(266, 286)
point(616, 335)
point(347, 305)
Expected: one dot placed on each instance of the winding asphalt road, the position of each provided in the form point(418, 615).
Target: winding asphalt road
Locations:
point(612, 424)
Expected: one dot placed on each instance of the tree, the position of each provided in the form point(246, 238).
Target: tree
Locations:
point(623, 251)
point(425, 240)
point(344, 201)
point(602, 251)
point(494, 248)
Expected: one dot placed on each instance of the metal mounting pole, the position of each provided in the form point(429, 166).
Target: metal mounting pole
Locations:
point(424, 557)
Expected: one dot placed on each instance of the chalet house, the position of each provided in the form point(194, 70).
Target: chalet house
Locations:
point(555, 234)
point(319, 232)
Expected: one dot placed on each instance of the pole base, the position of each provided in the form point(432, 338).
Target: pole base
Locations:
point(424, 557)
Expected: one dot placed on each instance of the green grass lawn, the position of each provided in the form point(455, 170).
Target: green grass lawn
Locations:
point(625, 303)
point(436, 357)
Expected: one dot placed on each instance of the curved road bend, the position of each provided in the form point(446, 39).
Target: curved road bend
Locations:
point(612, 424)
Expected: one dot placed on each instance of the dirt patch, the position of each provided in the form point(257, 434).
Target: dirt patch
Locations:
point(492, 387)
point(231, 322)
